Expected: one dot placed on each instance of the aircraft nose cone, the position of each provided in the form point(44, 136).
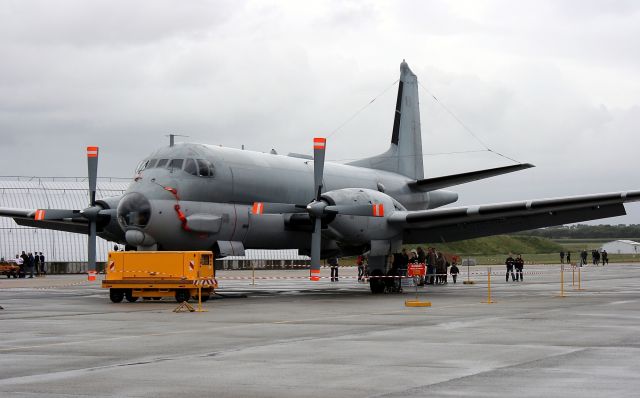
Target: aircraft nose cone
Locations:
point(134, 210)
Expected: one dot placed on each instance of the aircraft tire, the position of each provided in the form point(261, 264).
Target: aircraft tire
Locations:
point(376, 284)
point(116, 295)
point(182, 295)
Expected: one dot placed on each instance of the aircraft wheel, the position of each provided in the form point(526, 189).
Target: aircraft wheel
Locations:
point(377, 285)
point(116, 295)
point(182, 295)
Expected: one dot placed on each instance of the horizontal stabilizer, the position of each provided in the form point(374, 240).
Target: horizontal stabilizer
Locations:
point(431, 184)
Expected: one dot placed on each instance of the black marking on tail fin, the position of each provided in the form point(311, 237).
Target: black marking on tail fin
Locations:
point(396, 119)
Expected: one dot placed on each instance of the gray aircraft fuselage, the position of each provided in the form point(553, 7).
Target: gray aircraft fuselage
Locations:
point(219, 206)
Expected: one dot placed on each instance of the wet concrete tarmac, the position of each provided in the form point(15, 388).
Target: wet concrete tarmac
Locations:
point(61, 336)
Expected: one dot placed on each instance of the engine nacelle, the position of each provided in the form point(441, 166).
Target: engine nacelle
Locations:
point(358, 230)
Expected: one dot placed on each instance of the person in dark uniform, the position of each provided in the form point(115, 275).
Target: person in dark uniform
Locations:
point(42, 267)
point(454, 271)
point(568, 257)
point(561, 257)
point(36, 263)
point(519, 265)
point(605, 258)
point(510, 263)
point(333, 262)
point(25, 264)
point(583, 257)
point(31, 262)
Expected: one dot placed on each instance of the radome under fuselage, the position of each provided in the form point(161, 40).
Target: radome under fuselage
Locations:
point(242, 177)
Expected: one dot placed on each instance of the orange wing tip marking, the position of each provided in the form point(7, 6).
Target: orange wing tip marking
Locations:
point(39, 215)
point(92, 151)
point(378, 210)
point(319, 143)
point(258, 208)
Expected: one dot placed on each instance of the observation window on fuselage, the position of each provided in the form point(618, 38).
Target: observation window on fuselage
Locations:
point(205, 168)
point(190, 167)
point(162, 162)
point(175, 164)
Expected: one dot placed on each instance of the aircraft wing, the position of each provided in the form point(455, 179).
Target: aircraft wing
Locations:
point(458, 223)
point(26, 217)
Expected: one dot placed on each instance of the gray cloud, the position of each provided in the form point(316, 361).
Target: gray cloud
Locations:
point(552, 83)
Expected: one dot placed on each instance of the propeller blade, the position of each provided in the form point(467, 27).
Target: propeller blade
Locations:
point(316, 240)
point(374, 210)
point(91, 246)
point(276, 208)
point(319, 146)
point(92, 163)
point(55, 214)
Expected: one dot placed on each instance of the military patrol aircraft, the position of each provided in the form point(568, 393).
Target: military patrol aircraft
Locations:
point(200, 197)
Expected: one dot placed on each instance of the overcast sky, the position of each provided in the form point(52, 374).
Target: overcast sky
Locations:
point(553, 83)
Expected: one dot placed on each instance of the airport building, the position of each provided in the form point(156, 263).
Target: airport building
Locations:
point(52, 193)
point(622, 247)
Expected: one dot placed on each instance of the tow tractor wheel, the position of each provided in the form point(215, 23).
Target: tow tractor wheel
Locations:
point(182, 295)
point(116, 295)
point(128, 294)
point(376, 285)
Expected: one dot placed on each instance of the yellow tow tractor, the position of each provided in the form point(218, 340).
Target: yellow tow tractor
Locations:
point(154, 274)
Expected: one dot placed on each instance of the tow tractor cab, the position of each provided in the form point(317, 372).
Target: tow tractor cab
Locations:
point(157, 274)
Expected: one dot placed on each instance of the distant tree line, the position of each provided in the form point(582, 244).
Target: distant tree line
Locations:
point(584, 231)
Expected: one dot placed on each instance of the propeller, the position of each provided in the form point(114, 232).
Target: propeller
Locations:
point(318, 208)
point(91, 213)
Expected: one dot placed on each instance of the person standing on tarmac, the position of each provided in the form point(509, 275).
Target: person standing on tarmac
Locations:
point(568, 257)
point(431, 265)
point(510, 263)
point(561, 257)
point(36, 263)
point(20, 262)
point(42, 267)
point(519, 265)
point(31, 262)
point(605, 258)
point(333, 262)
point(441, 268)
point(422, 259)
point(360, 264)
point(454, 271)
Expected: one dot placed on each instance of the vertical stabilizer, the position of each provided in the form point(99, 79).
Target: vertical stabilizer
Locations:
point(404, 156)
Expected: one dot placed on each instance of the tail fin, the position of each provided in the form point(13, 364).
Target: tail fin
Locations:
point(404, 156)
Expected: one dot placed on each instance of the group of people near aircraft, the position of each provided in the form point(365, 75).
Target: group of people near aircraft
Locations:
point(30, 263)
point(597, 257)
point(437, 267)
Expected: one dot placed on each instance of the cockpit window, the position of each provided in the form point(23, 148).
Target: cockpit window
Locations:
point(142, 165)
point(175, 164)
point(162, 162)
point(152, 164)
point(190, 167)
point(205, 168)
